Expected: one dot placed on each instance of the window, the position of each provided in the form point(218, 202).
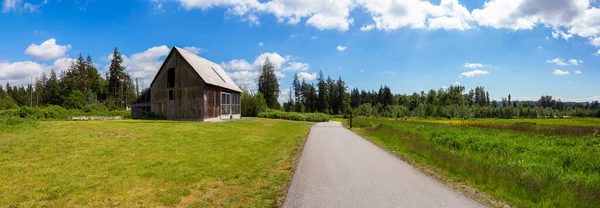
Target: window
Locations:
point(225, 103)
point(171, 95)
point(171, 78)
point(235, 104)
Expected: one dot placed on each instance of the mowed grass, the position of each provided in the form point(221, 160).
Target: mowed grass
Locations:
point(520, 167)
point(147, 163)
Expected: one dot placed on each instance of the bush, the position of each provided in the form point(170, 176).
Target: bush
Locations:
point(312, 117)
point(54, 112)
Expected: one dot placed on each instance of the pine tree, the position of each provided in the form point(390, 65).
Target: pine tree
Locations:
point(297, 89)
point(268, 84)
point(115, 76)
point(322, 103)
point(52, 90)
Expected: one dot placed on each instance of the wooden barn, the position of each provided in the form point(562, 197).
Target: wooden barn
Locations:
point(189, 87)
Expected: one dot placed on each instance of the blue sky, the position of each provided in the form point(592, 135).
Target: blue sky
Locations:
point(524, 47)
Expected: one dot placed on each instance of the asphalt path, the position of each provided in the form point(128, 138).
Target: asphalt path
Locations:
point(338, 168)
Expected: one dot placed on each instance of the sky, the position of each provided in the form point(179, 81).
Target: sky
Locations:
point(527, 48)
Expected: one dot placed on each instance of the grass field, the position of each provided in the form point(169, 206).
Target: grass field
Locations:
point(524, 163)
point(146, 163)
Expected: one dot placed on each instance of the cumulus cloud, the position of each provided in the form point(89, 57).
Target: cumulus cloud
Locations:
point(456, 83)
point(18, 73)
point(476, 65)
point(145, 64)
point(367, 27)
point(474, 73)
point(560, 72)
point(193, 49)
point(575, 62)
point(237, 64)
point(245, 74)
point(307, 76)
point(595, 42)
point(276, 59)
point(296, 66)
point(62, 64)
point(557, 61)
point(578, 72)
point(391, 15)
point(341, 48)
point(597, 53)
point(565, 17)
point(47, 50)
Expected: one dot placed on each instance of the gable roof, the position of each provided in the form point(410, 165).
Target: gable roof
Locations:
point(209, 71)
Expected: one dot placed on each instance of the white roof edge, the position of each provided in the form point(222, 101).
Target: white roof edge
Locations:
point(209, 71)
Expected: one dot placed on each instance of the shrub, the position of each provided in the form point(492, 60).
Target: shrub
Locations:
point(312, 117)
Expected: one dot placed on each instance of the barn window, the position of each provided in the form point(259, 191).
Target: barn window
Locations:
point(171, 78)
point(171, 96)
point(235, 104)
point(225, 103)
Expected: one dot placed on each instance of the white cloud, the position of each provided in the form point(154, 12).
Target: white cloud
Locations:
point(307, 76)
point(560, 72)
point(295, 66)
point(474, 73)
point(237, 64)
point(578, 72)
point(47, 50)
point(341, 48)
point(19, 6)
point(540, 47)
point(276, 59)
point(193, 49)
point(565, 17)
point(557, 61)
point(476, 65)
point(320, 14)
point(597, 53)
point(261, 44)
point(62, 64)
point(314, 37)
point(19, 73)
point(143, 65)
point(391, 15)
point(456, 83)
point(595, 41)
point(575, 62)
point(246, 79)
point(367, 27)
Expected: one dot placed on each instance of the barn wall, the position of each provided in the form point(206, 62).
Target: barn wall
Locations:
point(188, 91)
point(212, 98)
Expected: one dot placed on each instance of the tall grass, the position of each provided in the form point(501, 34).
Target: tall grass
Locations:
point(524, 169)
point(58, 113)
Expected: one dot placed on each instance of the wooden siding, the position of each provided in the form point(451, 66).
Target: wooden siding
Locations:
point(212, 101)
point(187, 103)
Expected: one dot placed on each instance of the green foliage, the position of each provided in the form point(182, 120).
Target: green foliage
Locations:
point(54, 112)
point(312, 117)
point(75, 100)
point(530, 163)
point(268, 85)
point(252, 105)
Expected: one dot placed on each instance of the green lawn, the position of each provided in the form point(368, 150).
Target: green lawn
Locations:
point(147, 163)
point(532, 165)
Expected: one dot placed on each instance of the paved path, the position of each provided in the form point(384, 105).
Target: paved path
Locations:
point(341, 169)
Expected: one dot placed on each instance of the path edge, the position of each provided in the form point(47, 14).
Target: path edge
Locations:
point(295, 163)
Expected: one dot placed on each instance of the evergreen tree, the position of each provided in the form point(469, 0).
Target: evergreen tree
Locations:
point(268, 85)
point(52, 90)
point(297, 93)
point(115, 76)
point(322, 103)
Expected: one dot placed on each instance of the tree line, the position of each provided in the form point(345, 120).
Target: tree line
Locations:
point(78, 86)
point(332, 97)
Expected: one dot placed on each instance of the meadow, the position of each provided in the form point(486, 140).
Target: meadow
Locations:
point(523, 163)
point(140, 163)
